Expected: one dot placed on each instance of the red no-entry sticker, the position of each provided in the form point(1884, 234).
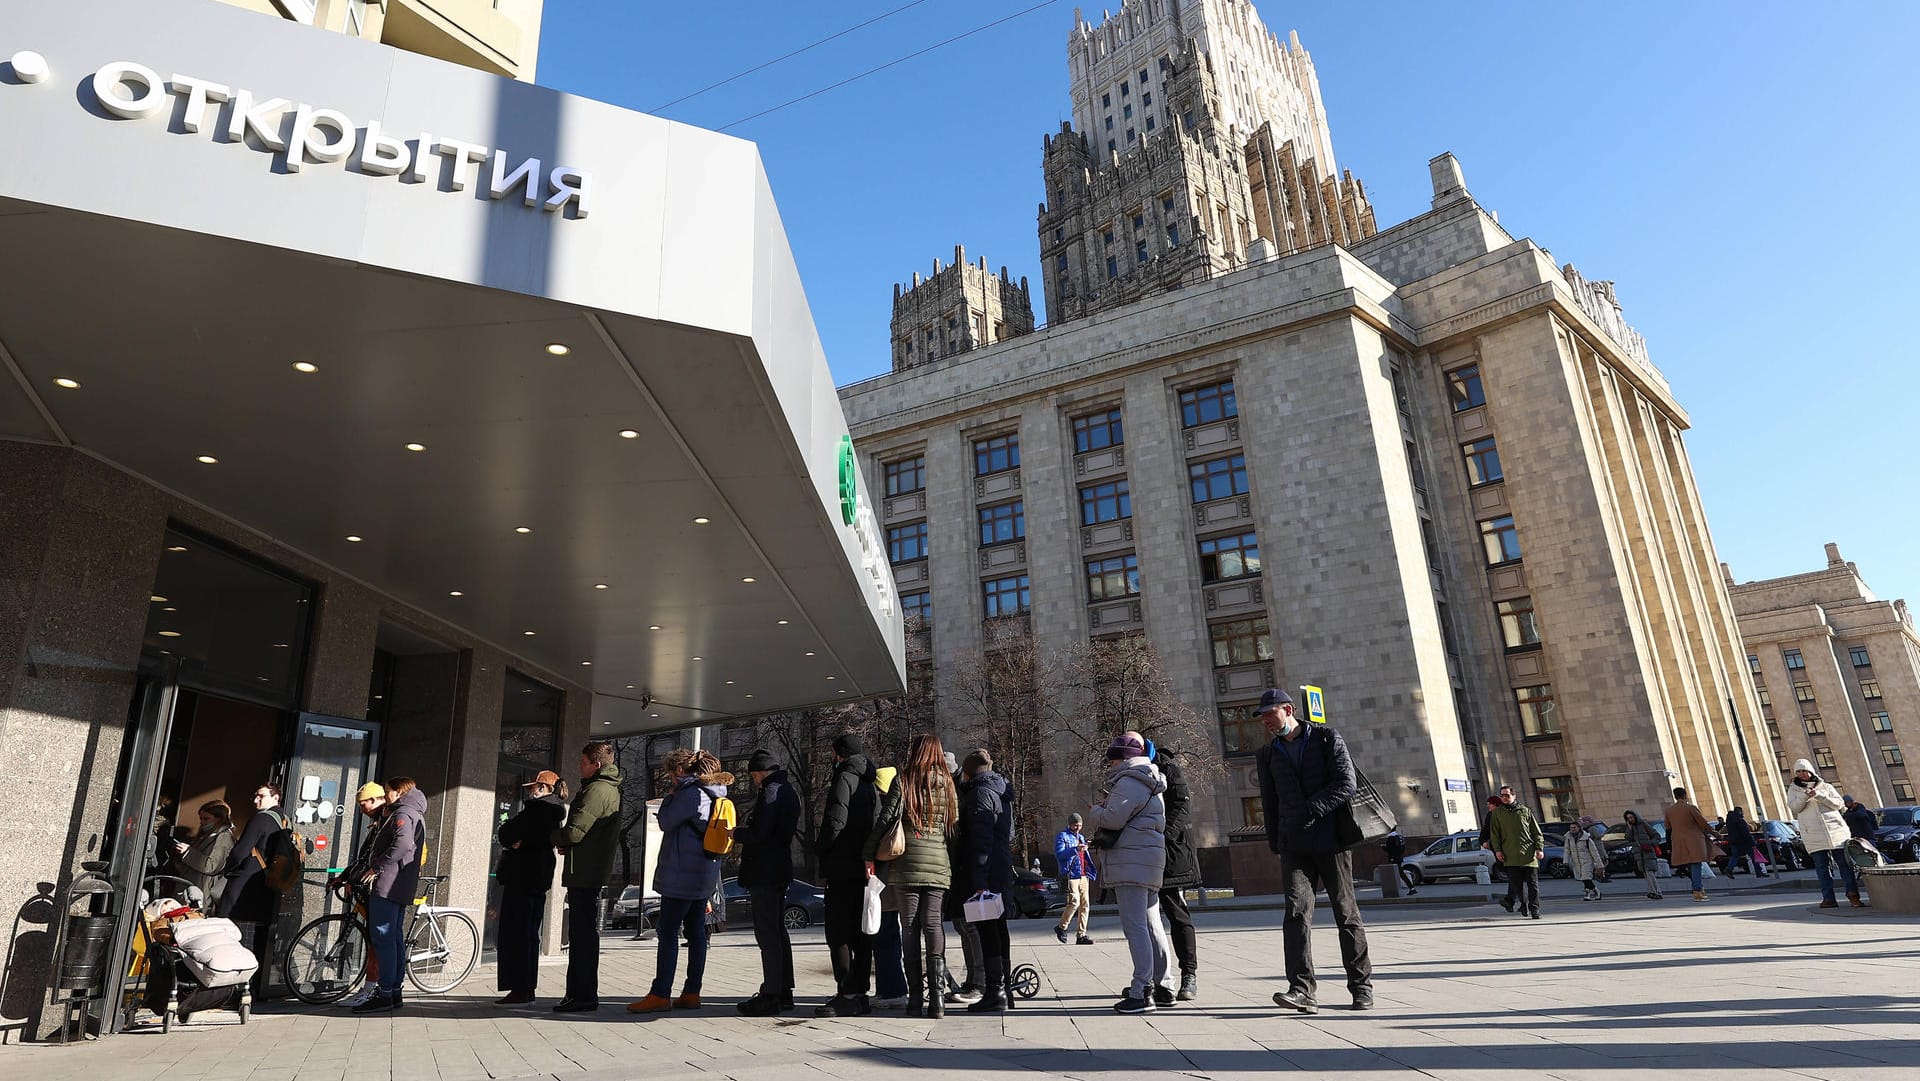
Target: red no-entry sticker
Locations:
point(320, 842)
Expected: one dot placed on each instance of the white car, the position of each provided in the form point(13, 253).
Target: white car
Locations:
point(1456, 855)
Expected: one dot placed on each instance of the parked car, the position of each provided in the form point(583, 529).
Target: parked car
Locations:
point(626, 908)
point(1896, 836)
point(1033, 894)
point(1456, 856)
point(806, 904)
point(1787, 851)
point(1621, 858)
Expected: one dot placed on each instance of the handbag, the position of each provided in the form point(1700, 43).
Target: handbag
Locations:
point(1367, 815)
point(983, 906)
point(1108, 836)
point(870, 906)
point(893, 843)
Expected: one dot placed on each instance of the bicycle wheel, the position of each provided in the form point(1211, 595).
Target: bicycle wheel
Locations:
point(327, 960)
point(442, 948)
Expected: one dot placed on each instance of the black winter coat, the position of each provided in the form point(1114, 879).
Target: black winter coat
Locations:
point(1183, 867)
point(852, 805)
point(247, 897)
point(530, 867)
point(1308, 806)
point(766, 856)
point(986, 835)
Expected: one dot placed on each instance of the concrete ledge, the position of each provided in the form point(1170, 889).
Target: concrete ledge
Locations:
point(1894, 889)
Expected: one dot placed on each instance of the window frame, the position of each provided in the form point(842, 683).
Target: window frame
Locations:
point(1476, 455)
point(1257, 639)
point(1108, 423)
point(1004, 448)
point(896, 533)
point(1870, 688)
point(1515, 621)
point(1128, 573)
point(1196, 402)
point(1244, 722)
point(1212, 561)
point(1534, 714)
point(1880, 721)
point(1464, 388)
point(913, 607)
point(992, 589)
point(898, 467)
point(1794, 660)
point(1859, 656)
point(995, 519)
point(1203, 473)
point(1890, 755)
point(1489, 535)
point(1117, 491)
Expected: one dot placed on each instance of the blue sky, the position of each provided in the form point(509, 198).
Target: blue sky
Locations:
point(1745, 172)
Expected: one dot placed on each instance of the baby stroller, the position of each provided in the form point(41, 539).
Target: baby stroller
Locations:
point(186, 961)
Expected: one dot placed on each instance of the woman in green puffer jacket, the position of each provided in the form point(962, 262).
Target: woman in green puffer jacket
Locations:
point(924, 804)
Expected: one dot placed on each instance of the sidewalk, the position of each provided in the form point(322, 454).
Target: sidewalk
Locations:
point(1755, 985)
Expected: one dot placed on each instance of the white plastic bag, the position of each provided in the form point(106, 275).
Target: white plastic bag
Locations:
point(983, 906)
point(870, 906)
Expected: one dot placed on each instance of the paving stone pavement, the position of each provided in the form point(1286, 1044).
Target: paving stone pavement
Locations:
point(1754, 985)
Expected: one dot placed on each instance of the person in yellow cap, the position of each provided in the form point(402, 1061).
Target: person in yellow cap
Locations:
point(372, 801)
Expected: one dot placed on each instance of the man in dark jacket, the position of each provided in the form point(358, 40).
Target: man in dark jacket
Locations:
point(1183, 869)
point(1307, 784)
point(841, 844)
point(247, 900)
point(590, 839)
point(986, 864)
point(525, 875)
point(766, 869)
point(392, 879)
point(1861, 822)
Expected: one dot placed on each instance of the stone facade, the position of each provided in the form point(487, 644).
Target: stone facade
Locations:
point(1837, 671)
point(1317, 407)
point(961, 307)
point(1199, 134)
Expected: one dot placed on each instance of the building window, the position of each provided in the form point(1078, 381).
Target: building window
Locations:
point(1765, 698)
point(1149, 122)
point(1113, 266)
point(1124, 91)
point(1203, 405)
point(1890, 754)
point(1140, 248)
point(1002, 523)
point(1112, 578)
point(1106, 101)
point(1518, 623)
point(1463, 388)
point(1773, 728)
point(1223, 559)
point(1823, 758)
point(996, 455)
point(1253, 813)
point(1753, 664)
point(1097, 431)
point(1795, 662)
point(1780, 757)
point(1240, 732)
point(906, 475)
point(1143, 76)
point(1539, 713)
point(1555, 797)
point(1815, 726)
point(1146, 98)
point(1880, 721)
point(1483, 462)
point(1109, 123)
point(1126, 112)
point(906, 543)
point(1006, 596)
point(1501, 540)
point(1107, 502)
point(1903, 791)
point(917, 610)
point(1859, 656)
point(1869, 688)
point(1219, 478)
point(1241, 641)
point(1803, 692)
point(1173, 229)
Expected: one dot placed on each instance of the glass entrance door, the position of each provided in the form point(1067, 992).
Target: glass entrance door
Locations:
point(332, 758)
point(131, 841)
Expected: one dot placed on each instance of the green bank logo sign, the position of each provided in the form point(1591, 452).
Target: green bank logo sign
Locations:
point(301, 135)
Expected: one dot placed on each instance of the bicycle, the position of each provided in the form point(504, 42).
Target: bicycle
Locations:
point(327, 959)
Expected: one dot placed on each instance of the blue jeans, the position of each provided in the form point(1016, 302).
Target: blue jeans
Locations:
point(889, 967)
point(384, 920)
point(1824, 862)
point(678, 914)
point(1696, 874)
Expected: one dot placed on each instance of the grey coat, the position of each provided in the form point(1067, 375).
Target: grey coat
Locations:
point(1134, 806)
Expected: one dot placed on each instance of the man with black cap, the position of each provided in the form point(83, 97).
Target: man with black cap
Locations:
point(766, 867)
point(844, 825)
point(1307, 785)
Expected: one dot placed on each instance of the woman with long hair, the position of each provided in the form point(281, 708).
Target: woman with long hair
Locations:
point(685, 875)
point(929, 810)
point(202, 862)
point(1646, 851)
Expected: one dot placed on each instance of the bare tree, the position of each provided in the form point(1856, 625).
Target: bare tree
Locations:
point(1117, 684)
point(1010, 694)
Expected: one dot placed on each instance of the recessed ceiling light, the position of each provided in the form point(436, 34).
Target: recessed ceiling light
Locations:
point(280, 645)
point(779, 622)
point(157, 599)
point(653, 715)
point(558, 349)
point(749, 696)
point(455, 593)
point(305, 367)
point(70, 384)
point(416, 447)
point(523, 529)
point(586, 664)
point(729, 683)
point(176, 547)
point(207, 459)
point(697, 658)
point(599, 585)
point(606, 722)
point(629, 433)
point(629, 686)
point(840, 692)
point(809, 653)
point(833, 677)
point(169, 634)
point(354, 538)
point(169, 608)
point(529, 634)
point(701, 521)
point(749, 579)
point(653, 627)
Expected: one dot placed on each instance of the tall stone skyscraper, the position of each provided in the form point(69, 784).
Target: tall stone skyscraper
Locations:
point(1196, 132)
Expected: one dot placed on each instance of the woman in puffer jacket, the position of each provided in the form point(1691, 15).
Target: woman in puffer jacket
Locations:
point(1134, 865)
point(1815, 807)
point(1585, 858)
point(685, 876)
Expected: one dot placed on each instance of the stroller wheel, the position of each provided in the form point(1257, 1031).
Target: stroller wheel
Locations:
point(1025, 981)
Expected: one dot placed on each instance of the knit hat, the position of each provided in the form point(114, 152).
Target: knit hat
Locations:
point(1126, 745)
point(847, 745)
point(762, 761)
point(953, 764)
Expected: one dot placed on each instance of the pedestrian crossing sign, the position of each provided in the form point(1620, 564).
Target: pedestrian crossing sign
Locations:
point(1316, 704)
